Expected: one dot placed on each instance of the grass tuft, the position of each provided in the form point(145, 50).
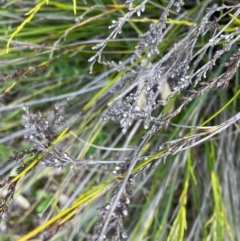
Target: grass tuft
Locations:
point(145, 146)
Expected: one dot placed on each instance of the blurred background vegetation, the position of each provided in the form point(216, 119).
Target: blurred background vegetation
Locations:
point(194, 195)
